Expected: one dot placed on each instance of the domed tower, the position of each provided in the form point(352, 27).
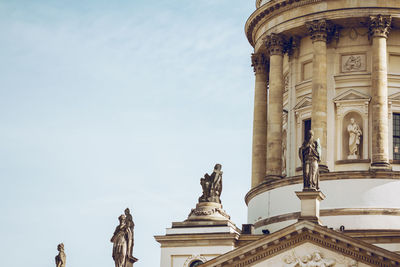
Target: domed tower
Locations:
point(332, 66)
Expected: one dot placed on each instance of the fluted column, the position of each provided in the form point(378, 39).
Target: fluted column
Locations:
point(319, 31)
point(275, 45)
point(259, 153)
point(379, 27)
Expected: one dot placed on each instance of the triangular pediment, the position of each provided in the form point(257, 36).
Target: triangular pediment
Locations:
point(303, 103)
point(351, 95)
point(301, 242)
point(395, 97)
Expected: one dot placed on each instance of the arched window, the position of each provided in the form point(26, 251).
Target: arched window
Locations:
point(195, 263)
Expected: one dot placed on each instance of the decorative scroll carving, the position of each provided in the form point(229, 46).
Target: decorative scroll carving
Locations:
point(320, 30)
point(212, 185)
point(207, 211)
point(310, 155)
point(379, 26)
point(260, 63)
point(275, 44)
point(315, 259)
point(61, 257)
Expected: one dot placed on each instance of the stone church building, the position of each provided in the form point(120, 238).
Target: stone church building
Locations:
point(333, 67)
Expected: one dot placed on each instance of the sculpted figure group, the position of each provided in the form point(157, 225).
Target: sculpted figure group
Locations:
point(314, 259)
point(123, 240)
point(212, 185)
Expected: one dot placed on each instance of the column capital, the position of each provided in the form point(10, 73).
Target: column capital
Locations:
point(320, 30)
point(259, 62)
point(379, 26)
point(275, 44)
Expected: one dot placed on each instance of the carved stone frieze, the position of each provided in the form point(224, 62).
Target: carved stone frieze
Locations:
point(275, 43)
point(379, 26)
point(259, 62)
point(353, 63)
point(320, 30)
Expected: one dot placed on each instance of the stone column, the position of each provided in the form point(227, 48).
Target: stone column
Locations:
point(379, 27)
point(319, 31)
point(259, 154)
point(275, 43)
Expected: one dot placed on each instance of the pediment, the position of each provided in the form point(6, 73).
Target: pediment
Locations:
point(299, 244)
point(303, 103)
point(395, 97)
point(351, 95)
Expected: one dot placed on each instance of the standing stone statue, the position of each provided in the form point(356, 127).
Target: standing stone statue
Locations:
point(123, 241)
point(61, 257)
point(131, 225)
point(310, 155)
point(355, 134)
point(212, 185)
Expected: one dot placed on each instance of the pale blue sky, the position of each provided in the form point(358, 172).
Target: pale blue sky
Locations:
point(112, 104)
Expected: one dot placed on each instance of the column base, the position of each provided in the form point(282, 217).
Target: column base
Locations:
point(310, 200)
point(380, 166)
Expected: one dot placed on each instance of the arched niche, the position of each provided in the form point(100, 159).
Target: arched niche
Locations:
point(348, 126)
point(348, 103)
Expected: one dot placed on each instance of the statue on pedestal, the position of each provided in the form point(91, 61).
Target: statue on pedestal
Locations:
point(123, 241)
point(355, 134)
point(61, 257)
point(212, 185)
point(310, 155)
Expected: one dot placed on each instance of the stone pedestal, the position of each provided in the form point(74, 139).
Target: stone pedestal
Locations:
point(310, 200)
point(208, 211)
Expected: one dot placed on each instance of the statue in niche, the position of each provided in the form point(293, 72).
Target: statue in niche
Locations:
point(310, 155)
point(212, 185)
point(123, 240)
point(355, 134)
point(61, 257)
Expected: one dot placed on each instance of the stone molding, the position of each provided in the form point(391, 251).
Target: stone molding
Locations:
point(340, 175)
point(275, 44)
point(330, 212)
point(306, 232)
point(260, 63)
point(320, 30)
point(272, 9)
point(379, 26)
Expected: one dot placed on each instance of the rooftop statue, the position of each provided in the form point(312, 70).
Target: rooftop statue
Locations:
point(61, 257)
point(310, 155)
point(212, 185)
point(123, 241)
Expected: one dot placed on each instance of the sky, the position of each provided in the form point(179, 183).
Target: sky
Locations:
point(112, 104)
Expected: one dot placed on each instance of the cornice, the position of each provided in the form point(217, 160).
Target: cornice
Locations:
point(270, 10)
point(270, 184)
point(306, 232)
point(330, 212)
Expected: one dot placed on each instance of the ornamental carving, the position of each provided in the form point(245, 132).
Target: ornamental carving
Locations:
point(259, 62)
point(275, 44)
point(351, 63)
point(207, 212)
point(320, 30)
point(315, 259)
point(379, 26)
